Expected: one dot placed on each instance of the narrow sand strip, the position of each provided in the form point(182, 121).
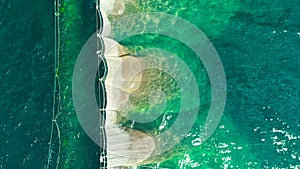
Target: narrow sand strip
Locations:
point(125, 147)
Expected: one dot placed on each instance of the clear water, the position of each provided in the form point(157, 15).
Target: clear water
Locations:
point(258, 43)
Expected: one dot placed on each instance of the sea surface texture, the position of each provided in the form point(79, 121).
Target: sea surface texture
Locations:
point(258, 43)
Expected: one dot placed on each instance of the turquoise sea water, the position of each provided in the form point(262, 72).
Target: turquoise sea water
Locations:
point(258, 43)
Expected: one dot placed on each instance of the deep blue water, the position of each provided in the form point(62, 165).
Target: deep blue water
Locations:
point(26, 47)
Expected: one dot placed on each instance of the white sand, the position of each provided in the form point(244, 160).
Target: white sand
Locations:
point(106, 32)
point(130, 147)
point(125, 148)
point(113, 7)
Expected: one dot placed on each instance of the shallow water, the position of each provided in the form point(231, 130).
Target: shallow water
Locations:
point(258, 43)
